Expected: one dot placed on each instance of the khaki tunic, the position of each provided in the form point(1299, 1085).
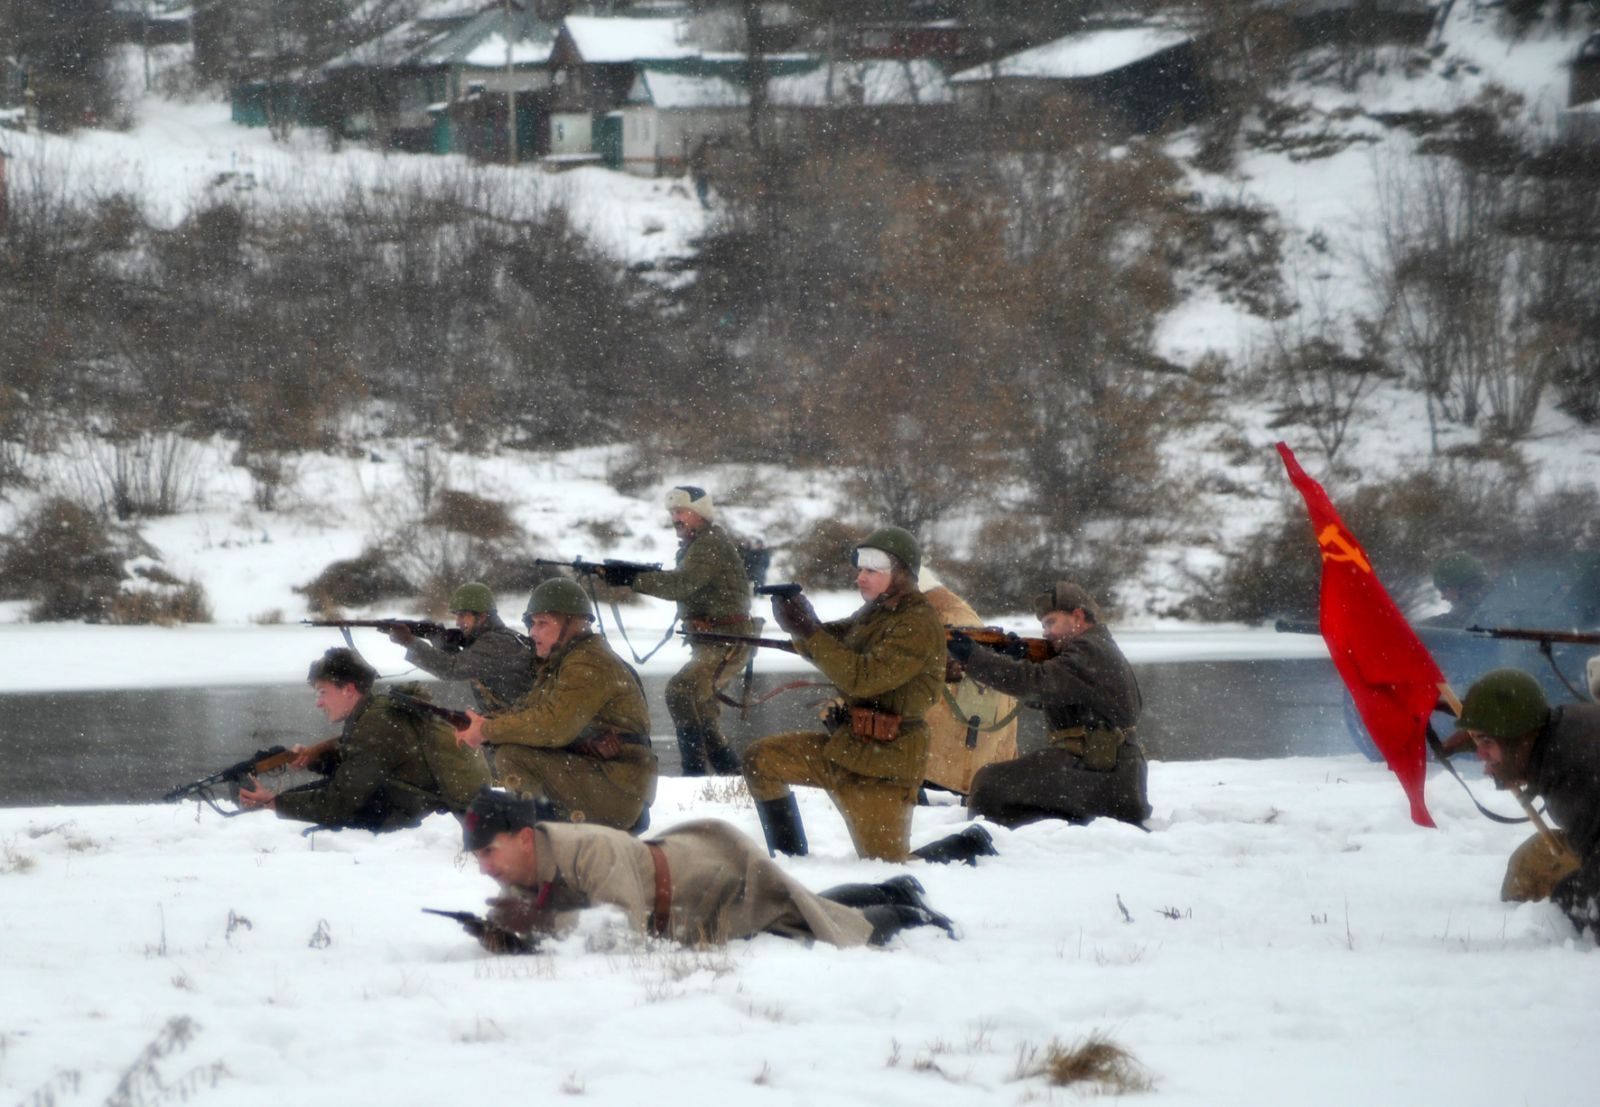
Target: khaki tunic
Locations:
point(724, 886)
point(582, 692)
point(888, 656)
point(497, 661)
point(390, 768)
point(713, 594)
point(951, 760)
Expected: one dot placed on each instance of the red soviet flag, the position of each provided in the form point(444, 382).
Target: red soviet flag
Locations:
point(1390, 674)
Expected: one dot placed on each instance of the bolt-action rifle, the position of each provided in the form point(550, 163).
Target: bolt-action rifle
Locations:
point(500, 940)
point(1545, 638)
point(459, 720)
point(614, 572)
point(1007, 642)
point(712, 638)
point(453, 639)
point(262, 761)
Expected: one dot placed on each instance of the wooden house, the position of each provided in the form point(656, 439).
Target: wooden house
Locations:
point(593, 67)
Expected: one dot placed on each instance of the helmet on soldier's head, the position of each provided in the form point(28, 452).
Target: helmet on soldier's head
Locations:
point(559, 596)
point(1458, 570)
point(898, 543)
point(474, 596)
point(1504, 704)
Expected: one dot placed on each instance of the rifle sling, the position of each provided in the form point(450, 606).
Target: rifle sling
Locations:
point(1438, 751)
point(616, 615)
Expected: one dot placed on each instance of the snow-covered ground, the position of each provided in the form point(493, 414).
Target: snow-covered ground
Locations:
point(1284, 935)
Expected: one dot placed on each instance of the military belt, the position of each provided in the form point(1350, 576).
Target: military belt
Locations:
point(660, 920)
point(1075, 739)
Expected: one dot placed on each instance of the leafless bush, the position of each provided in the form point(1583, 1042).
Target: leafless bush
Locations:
point(819, 558)
point(357, 582)
point(139, 473)
point(1322, 363)
point(164, 605)
point(66, 559)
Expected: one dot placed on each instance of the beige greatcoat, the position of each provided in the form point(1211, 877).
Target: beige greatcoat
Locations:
point(724, 886)
point(951, 762)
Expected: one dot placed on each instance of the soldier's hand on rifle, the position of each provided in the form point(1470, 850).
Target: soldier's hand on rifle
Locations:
point(1015, 648)
point(473, 734)
point(255, 796)
point(400, 634)
point(304, 755)
point(796, 615)
point(959, 647)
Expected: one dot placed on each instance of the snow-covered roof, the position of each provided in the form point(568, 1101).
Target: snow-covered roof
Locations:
point(873, 83)
point(1312, 7)
point(865, 83)
point(1086, 54)
point(603, 40)
point(448, 38)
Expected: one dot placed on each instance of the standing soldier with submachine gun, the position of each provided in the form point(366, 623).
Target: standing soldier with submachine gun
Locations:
point(1094, 765)
point(712, 591)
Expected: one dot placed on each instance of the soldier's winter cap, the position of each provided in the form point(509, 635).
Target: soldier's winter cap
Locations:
point(1065, 595)
point(342, 666)
point(495, 811)
point(694, 499)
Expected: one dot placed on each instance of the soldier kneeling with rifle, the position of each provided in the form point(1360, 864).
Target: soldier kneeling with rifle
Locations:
point(700, 882)
point(390, 767)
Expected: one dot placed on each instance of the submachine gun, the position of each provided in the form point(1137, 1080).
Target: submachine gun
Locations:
point(617, 573)
point(262, 761)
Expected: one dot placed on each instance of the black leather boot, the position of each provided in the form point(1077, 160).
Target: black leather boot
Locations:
point(724, 762)
point(780, 822)
point(967, 846)
point(691, 751)
point(889, 919)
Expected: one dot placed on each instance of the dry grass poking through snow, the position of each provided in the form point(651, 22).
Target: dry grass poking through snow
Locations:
point(1093, 1060)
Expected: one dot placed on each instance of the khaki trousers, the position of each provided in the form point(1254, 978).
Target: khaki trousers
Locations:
point(876, 812)
point(692, 691)
point(583, 789)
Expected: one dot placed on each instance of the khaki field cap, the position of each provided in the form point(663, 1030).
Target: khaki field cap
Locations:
point(1065, 595)
point(559, 596)
point(697, 500)
point(474, 596)
point(1505, 704)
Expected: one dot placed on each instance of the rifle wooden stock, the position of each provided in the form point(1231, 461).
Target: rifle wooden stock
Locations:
point(1007, 642)
point(713, 638)
point(262, 761)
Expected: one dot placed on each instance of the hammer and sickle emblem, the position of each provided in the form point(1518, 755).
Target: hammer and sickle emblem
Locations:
point(1336, 547)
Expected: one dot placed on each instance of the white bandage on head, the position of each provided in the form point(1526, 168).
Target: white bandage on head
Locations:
point(870, 557)
point(697, 500)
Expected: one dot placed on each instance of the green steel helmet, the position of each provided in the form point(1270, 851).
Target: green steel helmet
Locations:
point(897, 543)
point(474, 596)
point(1458, 570)
point(559, 596)
point(1504, 704)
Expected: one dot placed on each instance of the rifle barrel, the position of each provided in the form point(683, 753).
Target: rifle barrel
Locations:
point(738, 640)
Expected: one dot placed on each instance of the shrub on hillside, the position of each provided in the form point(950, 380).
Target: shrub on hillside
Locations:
point(819, 557)
point(357, 582)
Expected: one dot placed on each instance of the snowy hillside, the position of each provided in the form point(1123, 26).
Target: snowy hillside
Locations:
point(180, 156)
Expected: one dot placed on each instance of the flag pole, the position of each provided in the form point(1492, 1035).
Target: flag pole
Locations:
point(1557, 844)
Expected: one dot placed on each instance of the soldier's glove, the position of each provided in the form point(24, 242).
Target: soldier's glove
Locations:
point(619, 576)
point(960, 647)
point(1015, 648)
point(796, 615)
point(497, 939)
point(400, 634)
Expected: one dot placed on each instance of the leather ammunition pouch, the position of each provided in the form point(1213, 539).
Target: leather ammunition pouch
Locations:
point(869, 725)
point(1097, 746)
point(606, 745)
